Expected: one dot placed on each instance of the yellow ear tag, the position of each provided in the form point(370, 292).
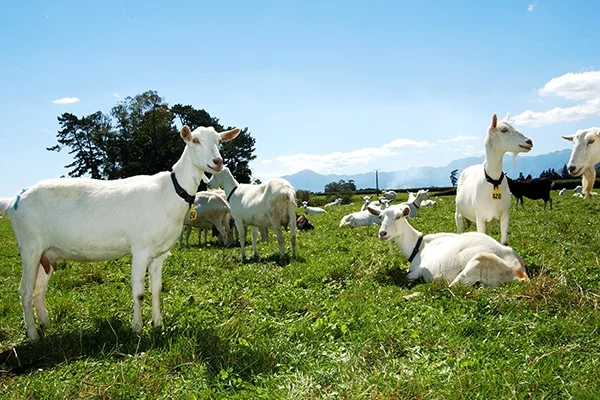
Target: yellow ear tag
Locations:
point(496, 195)
point(193, 213)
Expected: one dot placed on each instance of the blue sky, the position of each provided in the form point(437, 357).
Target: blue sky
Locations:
point(336, 86)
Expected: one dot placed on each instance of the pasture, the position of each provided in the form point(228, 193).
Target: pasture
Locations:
point(340, 321)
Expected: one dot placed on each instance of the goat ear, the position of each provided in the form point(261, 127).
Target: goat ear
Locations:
point(374, 211)
point(405, 212)
point(228, 135)
point(494, 121)
point(569, 138)
point(507, 117)
point(186, 133)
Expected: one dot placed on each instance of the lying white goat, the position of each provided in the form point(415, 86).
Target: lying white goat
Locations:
point(366, 200)
point(482, 194)
point(94, 220)
point(415, 201)
point(584, 156)
point(312, 210)
point(468, 258)
point(364, 218)
point(211, 209)
point(270, 204)
point(389, 195)
point(336, 202)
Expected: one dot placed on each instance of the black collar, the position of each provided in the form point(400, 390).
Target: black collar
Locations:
point(231, 193)
point(415, 203)
point(416, 249)
point(181, 191)
point(495, 182)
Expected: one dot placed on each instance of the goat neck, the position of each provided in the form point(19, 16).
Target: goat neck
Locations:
point(187, 174)
point(228, 181)
point(493, 159)
point(407, 237)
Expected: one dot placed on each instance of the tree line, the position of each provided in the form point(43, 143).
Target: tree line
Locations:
point(139, 136)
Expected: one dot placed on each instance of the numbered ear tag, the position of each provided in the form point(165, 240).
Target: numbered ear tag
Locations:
point(496, 195)
point(193, 213)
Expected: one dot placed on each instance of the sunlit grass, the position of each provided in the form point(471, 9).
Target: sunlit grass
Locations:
point(339, 321)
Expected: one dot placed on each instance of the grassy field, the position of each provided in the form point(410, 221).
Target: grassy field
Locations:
point(341, 321)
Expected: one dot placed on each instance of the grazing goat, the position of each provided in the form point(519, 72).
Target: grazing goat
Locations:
point(270, 204)
point(94, 220)
point(584, 156)
point(562, 191)
point(389, 194)
point(415, 201)
point(211, 210)
point(336, 202)
point(482, 194)
point(457, 258)
point(364, 218)
point(312, 210)
point(534, 189)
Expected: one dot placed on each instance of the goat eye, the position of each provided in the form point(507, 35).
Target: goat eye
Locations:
point(591, 141)
point(504, 129)
point(196, 140)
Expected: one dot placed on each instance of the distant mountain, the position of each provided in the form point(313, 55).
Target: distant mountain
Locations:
point(430, 176)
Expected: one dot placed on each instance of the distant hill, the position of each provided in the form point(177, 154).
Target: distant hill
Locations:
point(430, 176)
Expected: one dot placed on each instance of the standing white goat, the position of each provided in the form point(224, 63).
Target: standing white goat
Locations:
point(468, 258)
point(94, 220)
point(584, 156)
point(415, 201)
point(272, 203)
point(482, 194)
point(211, 209)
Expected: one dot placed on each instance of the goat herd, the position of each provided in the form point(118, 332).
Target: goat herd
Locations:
point(94, 220)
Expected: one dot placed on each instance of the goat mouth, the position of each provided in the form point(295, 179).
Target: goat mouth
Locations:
point(576, 173)
point(526, 147)
point(214, 170)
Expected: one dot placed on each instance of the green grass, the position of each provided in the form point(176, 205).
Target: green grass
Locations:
point(340, 321)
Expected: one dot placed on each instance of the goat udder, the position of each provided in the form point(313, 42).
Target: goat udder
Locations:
point(47, 264)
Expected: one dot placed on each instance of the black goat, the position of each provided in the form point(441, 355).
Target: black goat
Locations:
point(534, 189)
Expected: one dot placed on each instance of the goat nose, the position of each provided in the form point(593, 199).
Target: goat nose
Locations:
point(382, 234)
point(572, 168)
point(529, 142)
point(218, 163)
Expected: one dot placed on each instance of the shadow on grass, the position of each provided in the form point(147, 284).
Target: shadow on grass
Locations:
point(114, 339)
point(393, 276)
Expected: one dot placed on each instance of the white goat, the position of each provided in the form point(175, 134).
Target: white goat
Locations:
point(364, 218)
point(336, 202)
point(415, 201)
point(211, 209)
point(366, 200)
point(427, 203)
point(312, 210)
point(468, 258)
point(562, 191)
point(389, 194)
point(272, 203)
point(94, 220)
point(482, 194)
point(584, 156)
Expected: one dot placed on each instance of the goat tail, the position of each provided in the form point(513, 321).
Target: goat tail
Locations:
point(5, 204)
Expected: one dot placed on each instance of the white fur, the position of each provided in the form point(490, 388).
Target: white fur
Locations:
point(366, 200)
point(415, 201)
point(211, 209)
point(336, 202)
point(94, 220)
point(584, 156)
point(562, 191)
point(312, 210)
point(474, 200)
point(364, 218)
point(468, 258)
point(270, 204)
point(389, 194)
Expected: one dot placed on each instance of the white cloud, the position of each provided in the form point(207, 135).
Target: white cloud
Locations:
point(267, 162)
point(583, 88)
point(66, 100)
point(459, 138)
point(531, 7)
point(117, 95)
point(336, 161)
